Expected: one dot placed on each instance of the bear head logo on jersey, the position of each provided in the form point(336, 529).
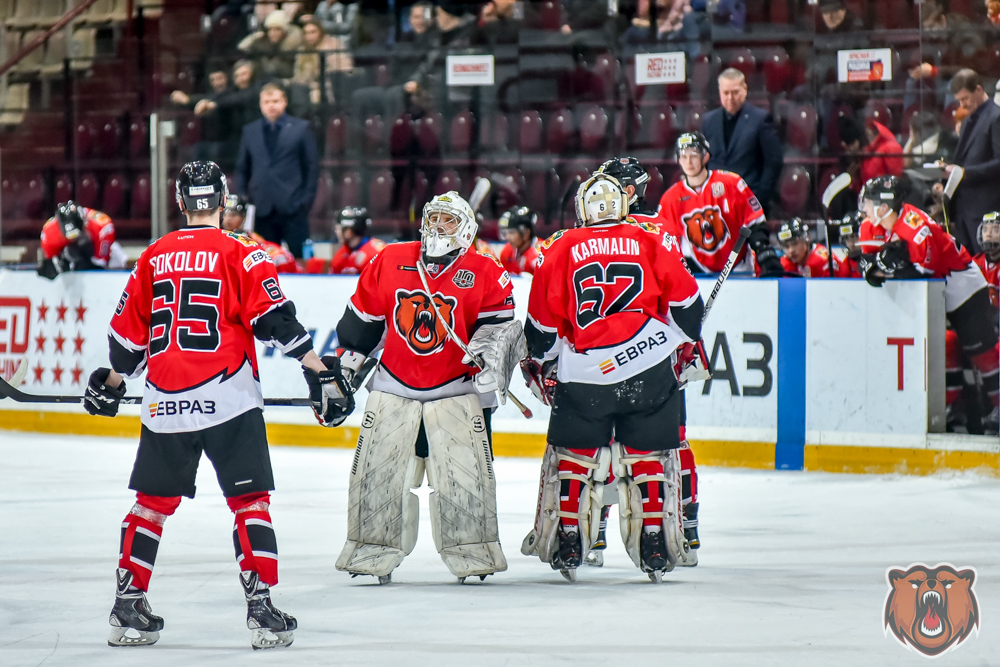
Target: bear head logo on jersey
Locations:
point(931, 609)
point(705, 228)
point(418, 324)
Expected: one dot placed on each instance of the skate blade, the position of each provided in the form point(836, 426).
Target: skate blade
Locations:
point(655, 576)
point(689, 559)
point(387, 579)
point(131, 637)
point(569, 574)
point(594, 559)
point(263, 638)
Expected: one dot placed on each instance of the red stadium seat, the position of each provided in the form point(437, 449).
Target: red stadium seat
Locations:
point(33, 195)
point(110, 135)
point(777, 70)
point(548, 15)
point(429, 134)
point(802, 128)
point(382, 77)
point(593, 129)
point(460, 136)
point(692, 123)
point(448, 181)
point(509, 189)
point(380, 192)
point(190, 131)
point(374, 132)
point(628, 126)
point(141, 196)
point(743, 60)
point(832, 131)
point(64, 188)
point(138, 138)
point(575, 175)
point(538, 190)
point(825, 178)
point(86, 191)
point(779, 11)
point(794, 188)
point(10, 193)
point(324, 199)
point(401, 135)
point(421, 191)
point(113, 197)
point(701, 73)
point(663, 128)
point(336, 135)
point(878, 111)
point(83, 137)
point(560, 130)
point(655, 187)
point(493, 133)
point(530, 132)
point(350, 190)
point(606, 69)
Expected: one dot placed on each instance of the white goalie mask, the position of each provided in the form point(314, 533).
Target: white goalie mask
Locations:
point(600, 199)
point(447, 229)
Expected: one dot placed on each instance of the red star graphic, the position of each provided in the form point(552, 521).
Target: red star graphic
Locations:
point(80, 310)
point(59, 340)
point(57, 374)
point(43, 312)
point(40, 343)
point(78, 344)
point(38, 370)
point(61, 312)
point(77, 372)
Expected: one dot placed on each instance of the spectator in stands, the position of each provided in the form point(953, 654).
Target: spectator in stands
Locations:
point(213, 126)
point(421, 24)
point(729, 18)
point(676, 21)
point(928, 141)
point(581, 15)
point(316, 44)
point(743, 138)
point(884, 155)
point(978, 153)
point(274, 49)
point(278, 168)
point(230, 110)
point(338, 19)
point(500, 23)
point(837, 18)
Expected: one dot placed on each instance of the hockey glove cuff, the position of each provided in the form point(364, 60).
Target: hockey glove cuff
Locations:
point(540, 378)
point(691, 363)
point(893, 258)
point(869, 270)
point(101, 398)
point(760, 238)
point(770, 265)
point(330, 394)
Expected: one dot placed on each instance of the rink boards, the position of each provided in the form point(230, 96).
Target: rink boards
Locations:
point(820, 374)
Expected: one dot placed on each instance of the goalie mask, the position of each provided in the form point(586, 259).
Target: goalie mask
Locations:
point(988, 235)
point(447, 229)
point(601, 199)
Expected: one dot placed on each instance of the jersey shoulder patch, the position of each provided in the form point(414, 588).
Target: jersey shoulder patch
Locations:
point(490, 256)
point(547, 243)
point(245, 240)
point(645, 226)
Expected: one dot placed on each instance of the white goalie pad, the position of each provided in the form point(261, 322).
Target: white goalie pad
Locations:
point(463, 503)
point(630, 510)
point(501, 348)
point(382, 514)
point(542, 541)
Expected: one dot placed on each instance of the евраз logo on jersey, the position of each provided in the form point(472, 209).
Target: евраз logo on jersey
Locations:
point(931, 610)
point(176, 408)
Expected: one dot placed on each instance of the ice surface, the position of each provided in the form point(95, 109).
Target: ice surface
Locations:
point(792, 572)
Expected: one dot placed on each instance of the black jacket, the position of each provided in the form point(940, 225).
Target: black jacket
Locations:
point(978, 152)
point(754, 150)
point(285, 182)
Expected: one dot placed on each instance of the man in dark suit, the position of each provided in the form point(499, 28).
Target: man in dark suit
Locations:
point(278, 169)
point(978, 153)
point(743, 138)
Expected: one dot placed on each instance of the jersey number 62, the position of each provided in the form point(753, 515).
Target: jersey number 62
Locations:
point(601, 291)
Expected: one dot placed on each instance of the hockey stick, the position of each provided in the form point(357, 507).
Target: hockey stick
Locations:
point(949, 191)
point(479, 193)
point(18, 377)
point(730, 263)
point(458, 341)
point(573, 187)
point(836, 186)
point(7, 391)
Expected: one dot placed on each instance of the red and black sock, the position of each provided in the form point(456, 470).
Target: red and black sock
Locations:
point(140, 538)
point(253, 536)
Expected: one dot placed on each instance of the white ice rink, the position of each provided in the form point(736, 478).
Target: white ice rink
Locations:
point(792, 573)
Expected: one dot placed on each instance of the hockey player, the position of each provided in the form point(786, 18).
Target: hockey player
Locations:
point(633, 178)
point(77, 238)
point(357, 248)
point(850, 228)
point(430, 405)
point(914, 246)
point(233, 220)
point(612, 307)
point(188, 316)
point(802, 256)
point(989, 259)
point(706, 210)
point(517, 226)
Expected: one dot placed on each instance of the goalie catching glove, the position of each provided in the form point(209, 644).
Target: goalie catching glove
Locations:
point(100, 398)
point(498, 347)
point(691, 363)
point(329, 392)
point(540, 378)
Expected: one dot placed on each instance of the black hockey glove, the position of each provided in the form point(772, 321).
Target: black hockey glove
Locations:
point(540, 378)
point(329, 392)
point(894, 260)
point(870, 271)
point(50, 268)
point(101, 398)
point(770, 265)
point(80, 254)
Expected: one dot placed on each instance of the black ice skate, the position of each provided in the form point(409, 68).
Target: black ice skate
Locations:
point(690, 557)
point(271, 626)
point(134, 623)
point(596, 556)
point(653, 553)
point(567, 556)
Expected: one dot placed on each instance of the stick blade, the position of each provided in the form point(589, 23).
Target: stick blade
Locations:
point(836, 186)
point(479, 193)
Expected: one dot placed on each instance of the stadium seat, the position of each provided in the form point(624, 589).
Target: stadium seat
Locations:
point(663, 128)
point(86, 191)
point(113, 196)
point(380, 192)
point(374, 132)
point(10, 192)
point(606, 70)
point(63, 188)
point(756, 11)
point(349, 190)
point(421, 192)
point(832, 131)
point(593, 129)
point(325, 199)
point(794, 188)
point(692, 122)
point(448, 180)
point(55, 53)
point(382, 77)
point(701, 74)
point(655, 187)
point(777, 71)
point(429, 134)
point(26, 13)
point(530, 132)
point(190, 131)
point(538, 190)
point(742, 59)
point(878, 111)
point(138, 138)
point(559, 134)
point(460, 135)
point(802, 128)
point(628, 125)
point(401, 135)
point(141, 196)
point(493, 133)
point(336, 135)
point(110, 135)
point(779, 11)
point(575, 174)
point(548, 15)
point(33, 195)
point(509, 189)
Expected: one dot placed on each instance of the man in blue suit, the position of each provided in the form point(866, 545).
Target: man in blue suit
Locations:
point(278, 168)
point(743, 138)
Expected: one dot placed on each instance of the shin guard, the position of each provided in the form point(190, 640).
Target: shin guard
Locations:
point(140, 539)
point(953, 375)
point(689, 474)
point(253, 536)
point(639, 507)
point(988, 365)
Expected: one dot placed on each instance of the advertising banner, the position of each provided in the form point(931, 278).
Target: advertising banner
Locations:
point(470, 70)
point(659, 68)
point(864, 65)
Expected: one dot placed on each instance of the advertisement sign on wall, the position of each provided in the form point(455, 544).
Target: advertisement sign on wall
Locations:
point(864, 65)
point(659, 68)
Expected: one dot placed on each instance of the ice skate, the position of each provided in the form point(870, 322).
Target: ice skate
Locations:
point(134, 623)
point(596, 556)
point(653, 549)
point(991, 423)
point(567, 557)
point(271, 627)
point(689, 558)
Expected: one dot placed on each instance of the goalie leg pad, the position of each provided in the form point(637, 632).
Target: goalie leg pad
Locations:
point(541, 540)
point(659, 503)
point(382, 514)
point(463, 503)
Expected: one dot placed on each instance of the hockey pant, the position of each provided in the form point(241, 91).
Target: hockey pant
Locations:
point(253, 536)
point(974, 319)
point(383, 515)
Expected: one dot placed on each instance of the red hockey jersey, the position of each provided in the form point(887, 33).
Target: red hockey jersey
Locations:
point(991, 271)
point(602, 296)
point(346, 261)
point(932, 250)
point(816, 264)
point(518, 263)
point(284, 261)
point(391, 308)
point(99, 228)
point(188, 313)
point(848, 269)
point(708, 220)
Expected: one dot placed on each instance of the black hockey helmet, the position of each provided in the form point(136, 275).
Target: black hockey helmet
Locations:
point(237, 204)
point(850, 225)
point(988, 233)
point(628, 171)
point(356, 219)
point(691, 140)
point(793, 229)
point(518, 218)
point(885, 189)
point(201, 186)
point(70, 219)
